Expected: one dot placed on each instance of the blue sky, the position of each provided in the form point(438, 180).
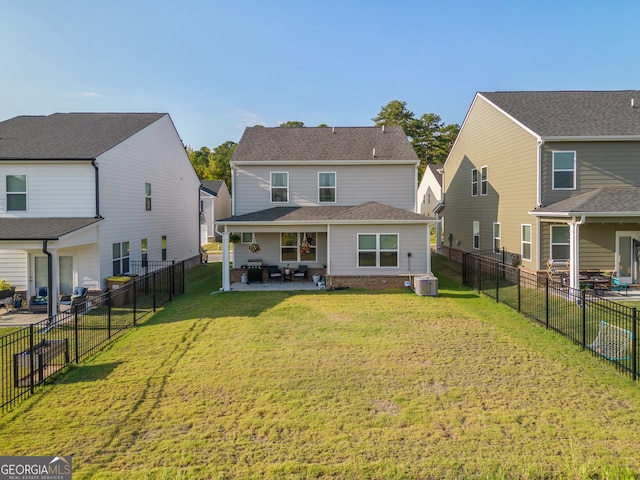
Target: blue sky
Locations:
point(219, 66)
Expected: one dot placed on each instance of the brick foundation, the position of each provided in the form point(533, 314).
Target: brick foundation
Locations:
point(370, 282)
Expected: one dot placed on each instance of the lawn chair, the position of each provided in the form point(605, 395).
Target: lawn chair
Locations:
point(39, 303)
point(613, 343)
point(274, 272)
point(617, 285)
point(302, 273)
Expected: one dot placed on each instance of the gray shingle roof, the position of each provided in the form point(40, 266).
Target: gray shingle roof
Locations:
point(573, 113)
point(610, 201)
point(323, 144)
point(370, 211)
point(41, 228)
point(211, 186)
point(69, 135)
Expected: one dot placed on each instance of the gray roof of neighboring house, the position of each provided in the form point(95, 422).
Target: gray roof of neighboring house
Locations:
point(573, 113)
point(367, 212)
point(323, 144)
point(41, 228)
point(69, 135)
point(211, 186)
point(609, 201)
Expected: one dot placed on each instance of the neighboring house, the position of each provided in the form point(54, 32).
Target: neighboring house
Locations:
point(549, 176)
point(340, 200)
point(215, 203)
point(430, 196)
point(84, 195)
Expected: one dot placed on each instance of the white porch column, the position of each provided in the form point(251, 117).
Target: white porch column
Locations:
point(574, 252)
point(226, 274)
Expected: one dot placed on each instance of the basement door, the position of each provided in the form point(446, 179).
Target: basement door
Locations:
point(627, 256)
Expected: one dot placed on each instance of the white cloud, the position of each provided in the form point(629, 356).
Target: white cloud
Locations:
point(86, 95)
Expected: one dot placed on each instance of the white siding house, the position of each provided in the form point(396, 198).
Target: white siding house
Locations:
point(341, 201)
point(82, 195)
point(215, 203)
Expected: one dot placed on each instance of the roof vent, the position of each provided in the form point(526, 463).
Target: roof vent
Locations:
point(374, 152)
point(633, 103)
point(333, 129)
point(382, 128)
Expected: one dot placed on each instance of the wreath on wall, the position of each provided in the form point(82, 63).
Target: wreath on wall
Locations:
point(254, 248)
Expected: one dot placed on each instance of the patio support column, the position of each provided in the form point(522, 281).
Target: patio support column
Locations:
point(574, 252)
point(52, 278)
point(226, 273)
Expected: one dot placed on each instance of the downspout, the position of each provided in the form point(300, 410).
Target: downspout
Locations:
point(574, 252)
point(97, 182)
point(49, 278)
point(539, 200)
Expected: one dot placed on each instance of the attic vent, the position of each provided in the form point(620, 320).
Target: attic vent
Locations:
point(333, 129)
point(633, 103)
point(382, 128)
point(374, 153)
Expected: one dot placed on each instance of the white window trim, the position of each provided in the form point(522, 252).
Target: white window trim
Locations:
point(484, 184)
point(147, 196)
point(25, 193)
point(271, 187)
point(524, 242)
point(553, 170)
point(335, 187)
point(551, 243)
point(253, 238)
point(378, 250)
point(475, 182)
point(475, 233)
point(499, 237)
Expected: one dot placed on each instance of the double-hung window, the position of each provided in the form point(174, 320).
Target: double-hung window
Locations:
point(560, 243)
point(16, 193)
point(120, 258)
point(279, 187)
point(298, 247)
point(474, 182)
point(476, 235)
point(378, 250)
point(497, 242)
point(525, 248)
point(147, 197)
point(163, 247)
point(564, 170)
point(247, 237)
point(484, 181)
point(327, 187)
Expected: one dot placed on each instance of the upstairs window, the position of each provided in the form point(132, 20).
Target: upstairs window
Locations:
point(279, 187)
point(484, 183)
point(16, 193)
point(474, 182)
point(564, 170)
point(327, 187)
point(147, 197)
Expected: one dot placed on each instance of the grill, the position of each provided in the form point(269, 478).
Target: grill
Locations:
point(254, 270)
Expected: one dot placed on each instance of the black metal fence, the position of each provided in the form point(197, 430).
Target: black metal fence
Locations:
point(604, 327)
point(32, 354)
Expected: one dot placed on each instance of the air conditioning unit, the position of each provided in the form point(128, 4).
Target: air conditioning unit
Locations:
point(516, 259)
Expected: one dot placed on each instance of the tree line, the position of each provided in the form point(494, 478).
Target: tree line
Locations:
point(430, 137)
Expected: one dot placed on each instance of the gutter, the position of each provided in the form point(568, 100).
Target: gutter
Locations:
point(97, 182)
point(49, 278)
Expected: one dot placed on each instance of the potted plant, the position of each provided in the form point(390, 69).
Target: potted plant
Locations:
point(6, 290)
point(234, 238)
point(254, 248)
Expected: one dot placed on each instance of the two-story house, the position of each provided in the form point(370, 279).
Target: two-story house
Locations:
point(341, 201)
point(84, 195)
point(215, 203)
point(430, 197)
point(553, 177)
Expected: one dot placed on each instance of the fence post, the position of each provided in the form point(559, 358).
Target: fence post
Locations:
point(77, 331)
point(182, 289)
point(172, 271)
point(479, 275)
point(583, 312)
point(134, 300)
point(497, 282)
point(519, 291)
point(464, 269)
point(109, 311)
point(634, 345)
point(153, 279)
point(32, 364)
point(546, 303)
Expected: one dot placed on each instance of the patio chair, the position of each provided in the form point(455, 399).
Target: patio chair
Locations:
point(78, 296)
point(616, 284)
point(39, 303)
point(302, 273)
point(274, 272)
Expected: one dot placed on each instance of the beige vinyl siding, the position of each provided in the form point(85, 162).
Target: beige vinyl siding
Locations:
point(489, 138)
point(344, 249)
point(392, 185)
point(269, 252)
point(598, 164)
point(13, 268)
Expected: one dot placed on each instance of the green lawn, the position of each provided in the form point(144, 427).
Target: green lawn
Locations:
point(349, 384)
